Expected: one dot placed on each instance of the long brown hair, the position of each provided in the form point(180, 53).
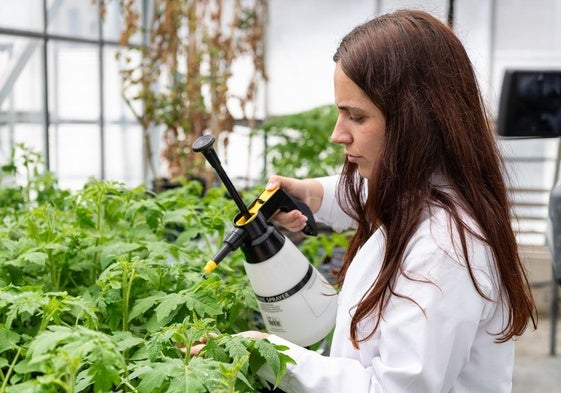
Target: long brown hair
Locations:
point(418, 73)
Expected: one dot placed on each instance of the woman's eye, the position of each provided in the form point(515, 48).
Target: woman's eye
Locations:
point(356, 119)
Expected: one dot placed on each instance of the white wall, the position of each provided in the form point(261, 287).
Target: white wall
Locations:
point(497, 34)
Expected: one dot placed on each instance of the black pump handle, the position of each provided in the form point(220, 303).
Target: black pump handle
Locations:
point(283, 201)
point(203, 145)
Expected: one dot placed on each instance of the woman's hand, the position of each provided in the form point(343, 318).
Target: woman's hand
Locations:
point(309, 191)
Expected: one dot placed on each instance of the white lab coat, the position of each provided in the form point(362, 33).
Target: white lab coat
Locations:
point(444, 343)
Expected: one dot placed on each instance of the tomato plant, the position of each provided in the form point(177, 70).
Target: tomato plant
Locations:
point(102, 291)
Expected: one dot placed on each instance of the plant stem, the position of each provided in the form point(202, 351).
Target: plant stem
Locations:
point(27, 183)
point(53, 270)
point(98, 225)
point(127, 287)
point(131, 388)
point(10, 370)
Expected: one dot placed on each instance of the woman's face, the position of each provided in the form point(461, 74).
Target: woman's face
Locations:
point(360, 126)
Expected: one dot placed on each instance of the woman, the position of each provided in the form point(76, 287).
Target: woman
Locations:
point(432, 290)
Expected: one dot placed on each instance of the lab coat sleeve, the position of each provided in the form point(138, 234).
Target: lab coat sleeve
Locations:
point(423, 345)
point(330, 212)
point(315, 373)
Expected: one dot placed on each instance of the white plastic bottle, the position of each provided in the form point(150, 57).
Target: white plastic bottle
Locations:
point(296, 301)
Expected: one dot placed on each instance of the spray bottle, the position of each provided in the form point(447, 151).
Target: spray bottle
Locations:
point(296, 301)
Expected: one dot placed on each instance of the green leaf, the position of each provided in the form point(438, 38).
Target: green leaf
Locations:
point(3, 362)
point(203, 375)
point(168, 304)
point(155, 375)
point(202, 303)
point(153, 216)
point(144, 304)
point(35, 386)
point(35, 257)
point(84, 218)
point(116, 249)
point(105, 368)
point(62, 350)
point(214, 351)
point(49, 339)
point(159, 250)
point(277, 360)
point(8, 339)
point(236, 347)
point(126, 340)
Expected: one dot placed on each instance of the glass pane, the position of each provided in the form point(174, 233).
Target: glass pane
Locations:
point(75, 153)
point(21, 74)
point(73, 81)
point(123, 134)
point(22, 14)
point(73, 18)
point(21, 93)
point(30, 135)
point(123, 153)
point(245, 169)
point(113, 23)
point(114, 105)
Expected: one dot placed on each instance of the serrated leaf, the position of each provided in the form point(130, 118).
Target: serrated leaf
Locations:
point(35, 257)
point(158, 249)
point(168, 304)
point(8, 339)
point(105, 368)
point(153, 376)
point(144, 304)
point(117, 249)
point(202, 303)
point(214, 351)
point(235, 347)
point(83, 381)
point(126, 340)
point(277, 360)
point(203, 375)
point(84, 218)
point(153, 216)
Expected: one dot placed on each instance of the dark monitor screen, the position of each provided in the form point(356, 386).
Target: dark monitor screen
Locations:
point(530, 104)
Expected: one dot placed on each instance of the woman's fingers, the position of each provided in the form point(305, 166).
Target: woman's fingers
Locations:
point(294, 220)
point(197, 348)
point(309, 191)
point(254, 334)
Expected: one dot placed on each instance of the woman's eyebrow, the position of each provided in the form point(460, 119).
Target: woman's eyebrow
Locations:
point(349, 108)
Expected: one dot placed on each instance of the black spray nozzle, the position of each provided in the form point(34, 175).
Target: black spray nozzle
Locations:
point(203, 145)
point(254, 219)
point(232, 241)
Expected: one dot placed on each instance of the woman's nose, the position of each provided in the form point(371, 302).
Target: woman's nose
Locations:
point(339, 134)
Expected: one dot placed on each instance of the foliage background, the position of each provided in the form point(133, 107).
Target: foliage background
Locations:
point(301, 144)
point(101, 288)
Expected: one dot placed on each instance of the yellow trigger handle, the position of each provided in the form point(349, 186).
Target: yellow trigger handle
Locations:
point(257, 205)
